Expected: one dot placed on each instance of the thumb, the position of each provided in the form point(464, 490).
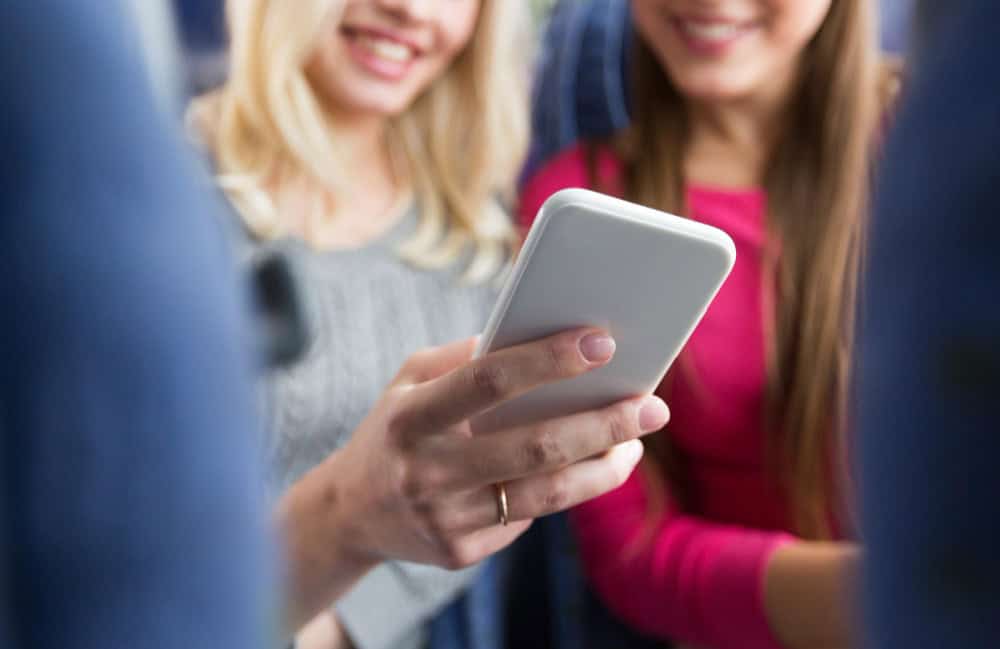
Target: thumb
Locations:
point(431, 363)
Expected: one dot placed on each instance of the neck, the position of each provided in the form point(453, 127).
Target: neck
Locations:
point(362, 140)
point(738, 125)
point(360, 208)
point(732, 140)
point(372, 180)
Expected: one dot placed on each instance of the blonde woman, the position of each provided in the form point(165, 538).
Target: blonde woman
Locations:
point(383, 134)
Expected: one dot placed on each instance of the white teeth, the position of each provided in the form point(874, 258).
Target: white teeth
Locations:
point(386, 49)
point(711, 31)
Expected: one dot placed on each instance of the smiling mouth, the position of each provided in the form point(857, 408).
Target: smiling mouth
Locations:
point(385, 48)
point(381, 47)
point(711, 35)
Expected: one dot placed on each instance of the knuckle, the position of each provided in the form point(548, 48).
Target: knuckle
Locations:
point(543, 450)
point(436, 523)
point(558, 496)
point(399, 418)
point(411, 487)
point(490, 380)
point(563, 356)
point(418, 483)
point(488, 464)
point(621, 425)
point(407, 419)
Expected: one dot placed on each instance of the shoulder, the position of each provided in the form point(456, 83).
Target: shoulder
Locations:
point(582, 165)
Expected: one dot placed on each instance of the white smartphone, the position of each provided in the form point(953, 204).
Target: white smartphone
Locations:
point(592, 260)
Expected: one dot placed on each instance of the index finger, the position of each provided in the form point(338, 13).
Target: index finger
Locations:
point(503, 375)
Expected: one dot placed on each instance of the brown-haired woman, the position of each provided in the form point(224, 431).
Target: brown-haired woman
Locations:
point(758, 117)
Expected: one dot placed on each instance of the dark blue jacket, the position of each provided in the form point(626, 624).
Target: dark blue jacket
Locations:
point(201, 23)
point(930, 352)
point(129, 492)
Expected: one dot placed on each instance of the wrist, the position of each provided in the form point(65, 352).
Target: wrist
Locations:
point(809, 593)
point(321, 522)
point(342, 511)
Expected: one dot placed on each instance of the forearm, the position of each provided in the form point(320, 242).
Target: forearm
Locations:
point(316, 520)
point(324, 632)
point(809, 594)
point(686, 580)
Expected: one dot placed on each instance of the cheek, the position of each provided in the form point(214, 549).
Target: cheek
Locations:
point(457, 23)
point(454, 32)
point(324, 69)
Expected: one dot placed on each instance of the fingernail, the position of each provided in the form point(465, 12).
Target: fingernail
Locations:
point(653, 415)
point(597, 348)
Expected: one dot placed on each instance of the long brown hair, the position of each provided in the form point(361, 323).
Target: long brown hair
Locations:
point(817, 185)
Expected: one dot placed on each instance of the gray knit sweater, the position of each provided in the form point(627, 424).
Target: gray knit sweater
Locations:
point(373, 311)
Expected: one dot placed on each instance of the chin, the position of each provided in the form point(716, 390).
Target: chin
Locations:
point(378, 106)
point(714, 89)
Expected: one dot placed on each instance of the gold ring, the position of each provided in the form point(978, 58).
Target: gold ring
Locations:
point(502, 503)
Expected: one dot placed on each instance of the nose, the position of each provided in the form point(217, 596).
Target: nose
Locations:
point(413, 10)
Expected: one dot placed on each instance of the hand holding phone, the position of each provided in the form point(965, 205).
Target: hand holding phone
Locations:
point(645, 276)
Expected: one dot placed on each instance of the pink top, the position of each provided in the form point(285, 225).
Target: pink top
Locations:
point(695, 576)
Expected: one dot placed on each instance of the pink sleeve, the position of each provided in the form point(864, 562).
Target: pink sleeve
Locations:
point(679, 578)
point(566, 170)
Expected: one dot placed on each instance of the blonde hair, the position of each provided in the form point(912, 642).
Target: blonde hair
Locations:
point(462, 141)
point(817, 182)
